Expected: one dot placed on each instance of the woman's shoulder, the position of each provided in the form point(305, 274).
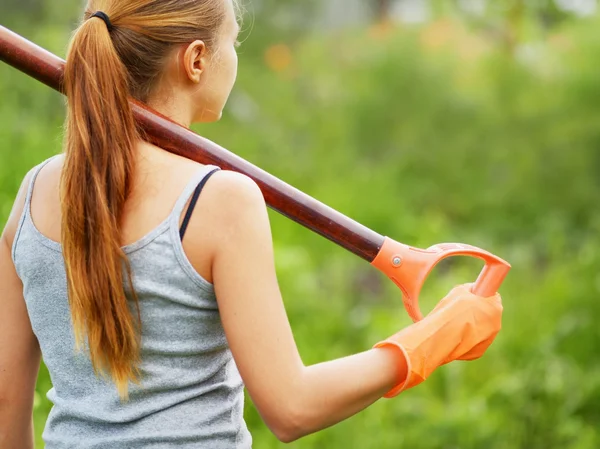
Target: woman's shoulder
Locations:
point(10, 229)
point(234, 201)
point(236, 187)
point(48, 178)
point(20, 199)
point(231, 209)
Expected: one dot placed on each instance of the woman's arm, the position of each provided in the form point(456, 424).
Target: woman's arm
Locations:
point(19, 351)
point(294, 400)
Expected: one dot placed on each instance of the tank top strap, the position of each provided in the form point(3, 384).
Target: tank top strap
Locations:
point(174, 230)
point(187, 192)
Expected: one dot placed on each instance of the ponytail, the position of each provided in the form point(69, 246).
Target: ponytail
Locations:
point(114, 54)
point(96, 179)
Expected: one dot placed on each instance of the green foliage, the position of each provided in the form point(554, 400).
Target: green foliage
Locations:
point(425, 142)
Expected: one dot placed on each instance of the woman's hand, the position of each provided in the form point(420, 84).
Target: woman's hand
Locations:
point(489, 318)
point(461, 327)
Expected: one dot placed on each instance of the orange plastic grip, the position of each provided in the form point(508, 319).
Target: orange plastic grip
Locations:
point(408, 268)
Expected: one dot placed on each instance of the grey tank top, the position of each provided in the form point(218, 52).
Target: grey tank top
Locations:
point(191, 395)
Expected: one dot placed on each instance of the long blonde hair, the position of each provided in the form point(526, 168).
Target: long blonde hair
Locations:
point(104, 67)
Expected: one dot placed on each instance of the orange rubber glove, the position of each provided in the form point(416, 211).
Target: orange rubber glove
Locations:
point(461, 327)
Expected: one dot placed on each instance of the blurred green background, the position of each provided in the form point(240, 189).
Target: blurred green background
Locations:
point(472, 121)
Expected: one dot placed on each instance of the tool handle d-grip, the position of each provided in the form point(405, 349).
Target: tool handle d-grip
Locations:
point(491, 276)
point(490, 279)
point(408, 268)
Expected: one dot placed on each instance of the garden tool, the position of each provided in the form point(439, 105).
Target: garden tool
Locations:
point(406, 266)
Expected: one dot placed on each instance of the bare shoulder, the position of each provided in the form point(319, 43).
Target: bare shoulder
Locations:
point(46, 185)
point(235, 187)
point(236, 203)
point(231, 213)
point(10, 229)
point(48, 179)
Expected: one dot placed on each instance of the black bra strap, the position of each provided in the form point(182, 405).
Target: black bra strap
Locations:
point(188, 214)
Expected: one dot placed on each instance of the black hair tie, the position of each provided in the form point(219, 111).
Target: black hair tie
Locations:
point(104, 17)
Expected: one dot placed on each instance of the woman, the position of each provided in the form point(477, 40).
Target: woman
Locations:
point(150, 338)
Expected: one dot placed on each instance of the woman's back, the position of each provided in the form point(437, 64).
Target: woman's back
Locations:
point(190, 392)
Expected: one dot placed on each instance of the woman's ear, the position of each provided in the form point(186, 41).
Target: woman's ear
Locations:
point(195, 60)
